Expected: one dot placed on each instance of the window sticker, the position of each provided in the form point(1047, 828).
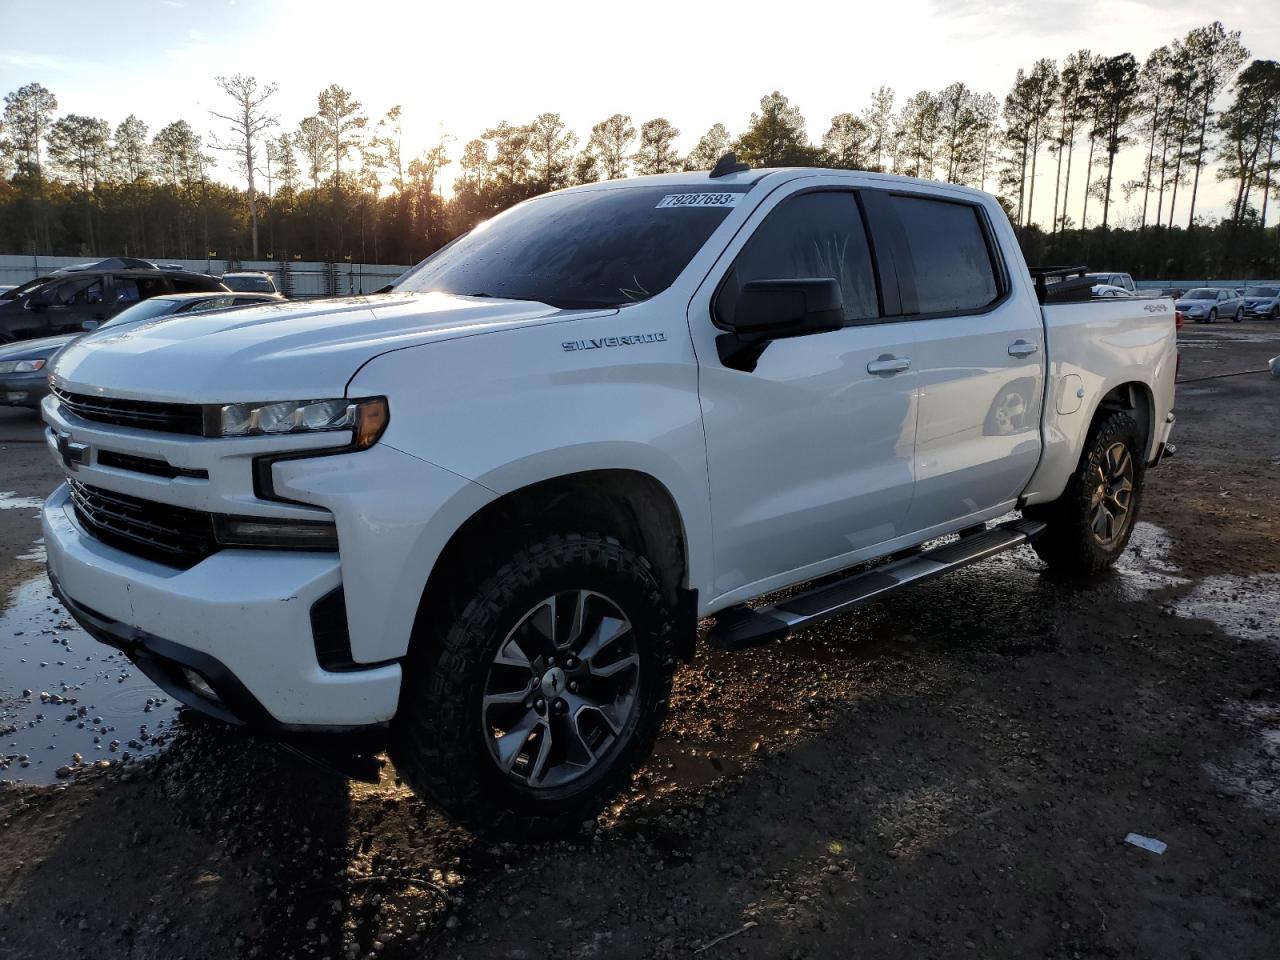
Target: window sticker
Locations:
point(698, 200)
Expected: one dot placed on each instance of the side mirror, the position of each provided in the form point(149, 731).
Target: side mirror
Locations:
point(767, 310)
point(39, 300)
point(89, 325)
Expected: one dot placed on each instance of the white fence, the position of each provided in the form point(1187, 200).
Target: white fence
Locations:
point(296, 278)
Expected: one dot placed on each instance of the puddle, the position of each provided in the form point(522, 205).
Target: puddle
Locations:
point(11, 501)
point(1145, 565)
point(1244, 607)
point(62, 693)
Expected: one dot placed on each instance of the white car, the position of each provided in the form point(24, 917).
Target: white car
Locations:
point(482, 515)
point(1121, 280)
point(1106, 292)
point(250, 281)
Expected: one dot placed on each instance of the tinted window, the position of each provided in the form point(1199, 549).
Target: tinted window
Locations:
point(194, 284)
point(81, 291)
point(1200, 293)
point(133, 289)
point(949, 255)
point(200, 306)
point(814, 235)
point(155, 307)
point(593, 248)
point(249, 284)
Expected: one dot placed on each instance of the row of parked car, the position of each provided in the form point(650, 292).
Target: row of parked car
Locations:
point(1200, 304)
point(40, 317)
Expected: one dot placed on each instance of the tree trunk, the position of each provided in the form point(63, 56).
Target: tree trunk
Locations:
point(1195, 183)
point(1266, 189)
point(1151, 159)
point(1066, 186)
point(1057, 188)
point(1088, 176)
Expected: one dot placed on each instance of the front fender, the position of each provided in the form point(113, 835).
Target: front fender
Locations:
point(515, 408)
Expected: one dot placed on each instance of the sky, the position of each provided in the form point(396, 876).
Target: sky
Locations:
point(461, 67)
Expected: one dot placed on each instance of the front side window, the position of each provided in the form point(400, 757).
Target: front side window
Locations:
point(948, 253)
point(811, 236)
point(594, 248)
point(78, 292)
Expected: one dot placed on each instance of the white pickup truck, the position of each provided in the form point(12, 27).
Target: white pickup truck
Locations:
point(482, 514)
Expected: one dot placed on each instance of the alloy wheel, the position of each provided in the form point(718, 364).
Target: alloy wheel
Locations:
point(1112, 495)
point(561, 689)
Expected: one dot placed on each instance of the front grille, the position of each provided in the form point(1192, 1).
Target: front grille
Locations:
point(170, 535)
point(185, 418)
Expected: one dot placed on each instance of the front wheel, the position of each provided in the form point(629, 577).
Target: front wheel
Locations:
point(1213, 314)
point(530, 712)
point(1088, 527)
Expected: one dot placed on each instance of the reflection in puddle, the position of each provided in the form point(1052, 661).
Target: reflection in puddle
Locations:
point(11, 501)
point(63, 694)
point(1145, 566)
point(1243, 607)
point(36, 554)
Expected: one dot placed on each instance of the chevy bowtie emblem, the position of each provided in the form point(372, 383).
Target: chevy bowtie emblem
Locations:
point(73, 454)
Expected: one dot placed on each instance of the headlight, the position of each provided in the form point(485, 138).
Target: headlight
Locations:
point(22, 366)
point(366, 419)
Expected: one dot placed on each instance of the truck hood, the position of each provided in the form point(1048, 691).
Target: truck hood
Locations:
point(278, 351)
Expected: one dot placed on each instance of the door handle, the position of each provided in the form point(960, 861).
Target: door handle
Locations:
point(1020, 348)
point(889, 364)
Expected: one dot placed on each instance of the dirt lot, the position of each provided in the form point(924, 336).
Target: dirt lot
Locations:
point(951, 772)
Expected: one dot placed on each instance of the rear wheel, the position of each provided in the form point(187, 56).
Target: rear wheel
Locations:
point(1089, 526)
point(530, 712)
point(1239, 314)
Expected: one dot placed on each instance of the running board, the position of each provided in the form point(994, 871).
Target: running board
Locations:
point(741, 627)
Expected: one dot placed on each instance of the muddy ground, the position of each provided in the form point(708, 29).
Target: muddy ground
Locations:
point(950, 772)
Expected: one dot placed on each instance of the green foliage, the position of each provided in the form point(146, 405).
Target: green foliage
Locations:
point(340, 186)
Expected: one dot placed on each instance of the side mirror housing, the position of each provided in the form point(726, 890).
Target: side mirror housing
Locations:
point(89, 325)
point(767, 310)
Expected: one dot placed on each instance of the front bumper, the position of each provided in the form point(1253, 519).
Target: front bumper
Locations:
point(240, 619)
point(23, 389)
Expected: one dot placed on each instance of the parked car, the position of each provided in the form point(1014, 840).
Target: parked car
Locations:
point(500, 497)
point(1122, 280)
point(1107, 292)
point(92, 291)
point(1262, 302)
point(24, 364)
point(250, 281)
point(1207, 304)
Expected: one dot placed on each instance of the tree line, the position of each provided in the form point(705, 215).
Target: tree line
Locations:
point(340, 184)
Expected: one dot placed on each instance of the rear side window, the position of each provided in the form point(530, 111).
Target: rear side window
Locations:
point(949, 256)
point(194, 285)
point(810, 236)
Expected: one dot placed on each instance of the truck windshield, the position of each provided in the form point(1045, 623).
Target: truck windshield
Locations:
point(594, 248)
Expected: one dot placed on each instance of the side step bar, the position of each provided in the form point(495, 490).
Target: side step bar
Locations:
point(741, 627)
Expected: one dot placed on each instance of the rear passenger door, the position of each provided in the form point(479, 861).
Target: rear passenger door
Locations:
point(979, 359)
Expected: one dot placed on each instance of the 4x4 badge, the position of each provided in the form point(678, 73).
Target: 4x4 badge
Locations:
point(73, 454)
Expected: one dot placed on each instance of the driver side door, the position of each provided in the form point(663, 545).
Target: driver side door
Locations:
point(810, 454)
